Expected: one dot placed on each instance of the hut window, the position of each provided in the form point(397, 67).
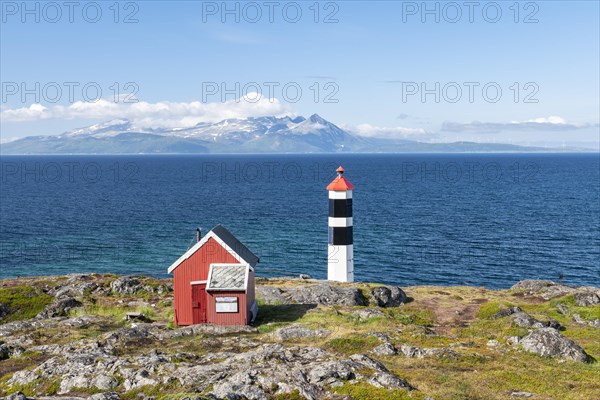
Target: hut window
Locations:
point(226, 304)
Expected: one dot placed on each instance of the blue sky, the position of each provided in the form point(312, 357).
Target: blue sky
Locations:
point(369, 64)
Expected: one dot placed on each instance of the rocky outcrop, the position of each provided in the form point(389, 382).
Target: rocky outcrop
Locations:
point(416, 352)
point(388, 296)
point(297, 331)
point(126, 285)
point(60, 308)
point(549, 342)
point(329, 294)
point(523, 319)
point(506, 312)
point(545, 289)
point(367, 313)
point(587, 297)
point(320, 293)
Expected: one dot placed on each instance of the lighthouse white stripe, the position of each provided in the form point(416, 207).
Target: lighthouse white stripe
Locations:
point(340, 194)
point(340, 222)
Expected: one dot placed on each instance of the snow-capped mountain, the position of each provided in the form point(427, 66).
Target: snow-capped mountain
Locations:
point(249, 135)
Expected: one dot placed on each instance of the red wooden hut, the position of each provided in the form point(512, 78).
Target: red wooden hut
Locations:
point(214, 281)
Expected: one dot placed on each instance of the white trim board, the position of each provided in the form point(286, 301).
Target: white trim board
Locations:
point(201, 243)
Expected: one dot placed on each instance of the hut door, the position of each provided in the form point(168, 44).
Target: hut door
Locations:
point(199, 303)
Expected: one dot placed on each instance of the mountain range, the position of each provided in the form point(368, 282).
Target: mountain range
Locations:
point(247, 135)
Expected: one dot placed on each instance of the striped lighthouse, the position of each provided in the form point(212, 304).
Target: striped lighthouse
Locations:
point(340, 257)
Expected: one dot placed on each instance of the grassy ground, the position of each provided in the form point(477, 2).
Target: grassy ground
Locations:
point(449, 317)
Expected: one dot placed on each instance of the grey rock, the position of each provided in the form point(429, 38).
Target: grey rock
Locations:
point(524, 395)
point(549, 342)
point(545, 289)
point(74, 289)
point(388, 381)
point(416, 352)
point(17, 396)
point(271, 295)
point(369, 313)
point(125, 285)
point(59, 308)
point(388, 296)
point(385, 349)
point(586, 298)
point(594, 324)
point(105, 396)
point(368, 362)
point(561, 308)
point(507, 312)
point(105, 382)
point(326, 294)
point(525, 320)
point(297, 331)
point(10, 350)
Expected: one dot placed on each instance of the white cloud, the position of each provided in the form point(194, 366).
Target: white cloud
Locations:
point(550, 120)
point(541, 124)
point(399, 132)
point(152, 115)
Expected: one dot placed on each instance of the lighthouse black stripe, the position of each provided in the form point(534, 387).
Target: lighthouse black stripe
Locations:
point(340, 236)
point(340, 208)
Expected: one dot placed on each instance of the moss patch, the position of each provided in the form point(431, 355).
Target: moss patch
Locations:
point(22, 302)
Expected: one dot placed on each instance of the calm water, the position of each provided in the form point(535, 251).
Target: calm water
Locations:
point(487, 220)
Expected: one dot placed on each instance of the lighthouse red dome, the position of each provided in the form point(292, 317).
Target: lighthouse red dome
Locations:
point(340, 183)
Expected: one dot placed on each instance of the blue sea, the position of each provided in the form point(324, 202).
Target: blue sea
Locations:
point(419, 219)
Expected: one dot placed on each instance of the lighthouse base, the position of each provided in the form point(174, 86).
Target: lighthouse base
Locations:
point(340, 263)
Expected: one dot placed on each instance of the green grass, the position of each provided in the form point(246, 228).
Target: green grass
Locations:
point(489, 309)
point(22, 302)
point(364, 391)
point(352, 344)
point(117, 311)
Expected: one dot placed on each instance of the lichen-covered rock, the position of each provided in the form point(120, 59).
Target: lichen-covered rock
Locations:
point(297, 331)
point(385, 349)
point(17, 396)
point(388, 381)
point(126, 285)
point(10, 350)
point(327, 294)
point(587, 297)
point(271, 295)
point(59, 308)
point(549, 342)
point(323, 293)
point(105, 396)
point(388, 296)
point(546, 289)
point(416, 352)
point(525, 320)
point(369, 313)
point(506, 312)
